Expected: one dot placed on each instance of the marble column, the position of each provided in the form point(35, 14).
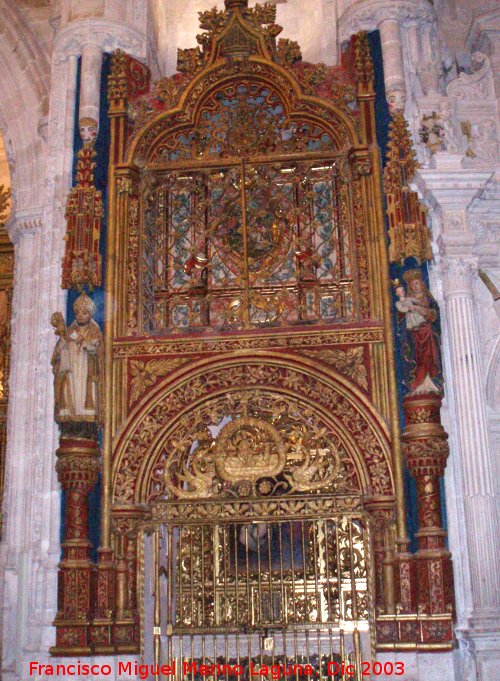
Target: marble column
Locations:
point(449, 194)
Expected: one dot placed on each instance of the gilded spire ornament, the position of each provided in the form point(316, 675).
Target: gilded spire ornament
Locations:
point(408, 231)
point(84, 212)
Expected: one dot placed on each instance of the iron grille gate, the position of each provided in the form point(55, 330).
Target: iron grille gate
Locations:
point(240, 585)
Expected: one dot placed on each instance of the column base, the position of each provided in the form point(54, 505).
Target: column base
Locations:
point(415, 632)
point(480, 645)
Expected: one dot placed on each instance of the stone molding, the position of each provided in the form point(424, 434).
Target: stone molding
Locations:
point(24, 222)
point(476, 85)
point(108, 35)
point(367, 15)
point(450, 188)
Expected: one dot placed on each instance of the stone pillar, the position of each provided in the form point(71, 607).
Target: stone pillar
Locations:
point(90, 83)
point(392, 54)
point(30, 550)
point(393, 18)
point(477, 462)
point(450, 194)
point(30, 547)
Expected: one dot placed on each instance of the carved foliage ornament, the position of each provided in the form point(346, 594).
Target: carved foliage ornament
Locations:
point(350, 363)
point(133, 481)
point(236, 41)
point(239, 34)
point(145, 374)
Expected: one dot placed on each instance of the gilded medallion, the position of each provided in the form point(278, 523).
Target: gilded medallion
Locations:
point(249, 449)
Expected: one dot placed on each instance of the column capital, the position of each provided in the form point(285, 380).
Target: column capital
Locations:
point(458, 274)
point(368, 15)
point(24, 222)
point(104, 33)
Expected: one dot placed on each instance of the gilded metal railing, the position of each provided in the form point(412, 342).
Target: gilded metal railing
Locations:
point(240, 585)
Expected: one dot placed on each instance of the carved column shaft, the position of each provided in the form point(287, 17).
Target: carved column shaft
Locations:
point(475, 454)
point(392, 54)
point(90, 82)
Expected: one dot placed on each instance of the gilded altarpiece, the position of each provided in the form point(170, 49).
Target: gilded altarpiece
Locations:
point(250, 398)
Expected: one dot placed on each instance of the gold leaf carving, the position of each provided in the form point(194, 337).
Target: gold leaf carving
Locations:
point(288, 52)
point(349, 362)
point(145, 374)
point(5, 197)
point(189, 60)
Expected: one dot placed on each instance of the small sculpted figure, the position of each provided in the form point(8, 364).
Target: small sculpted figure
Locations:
point(450, 142)
point(409, 307)
point(396, 100)
point(88, 131)
point(77, 363)
point(419, 331)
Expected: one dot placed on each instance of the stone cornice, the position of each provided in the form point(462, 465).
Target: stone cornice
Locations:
point(366, 15)
point(450, 189)
point(487, 206)
point(106, 34)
